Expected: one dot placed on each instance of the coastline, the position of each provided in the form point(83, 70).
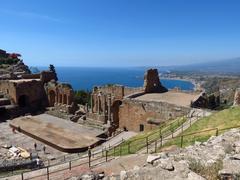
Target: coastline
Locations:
point(196, 85)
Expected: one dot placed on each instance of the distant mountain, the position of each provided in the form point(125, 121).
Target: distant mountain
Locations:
point(228, 66)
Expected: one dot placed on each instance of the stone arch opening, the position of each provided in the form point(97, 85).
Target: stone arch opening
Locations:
point(60, 98)
point(115, 112)
point(23, 101)
point(52, 97)
point(64, 99)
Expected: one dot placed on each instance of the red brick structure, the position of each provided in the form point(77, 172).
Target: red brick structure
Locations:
point(34, 92)
point(122, 107)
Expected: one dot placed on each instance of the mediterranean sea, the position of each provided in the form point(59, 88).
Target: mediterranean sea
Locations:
point(87, 77)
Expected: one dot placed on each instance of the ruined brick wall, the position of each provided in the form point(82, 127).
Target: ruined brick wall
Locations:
point(133, 113)
point(115, 90)
point(31, 76)
point(32, 92)
point(8, 88)
point(130, 90)
point(60, 93)
point(47, 76)
point(152, 82)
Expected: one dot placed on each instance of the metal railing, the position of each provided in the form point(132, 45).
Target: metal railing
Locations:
point(68, 162)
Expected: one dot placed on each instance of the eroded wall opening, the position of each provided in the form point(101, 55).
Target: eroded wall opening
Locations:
point(23, 101)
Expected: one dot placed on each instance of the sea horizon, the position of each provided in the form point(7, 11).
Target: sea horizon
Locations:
point(86, 78)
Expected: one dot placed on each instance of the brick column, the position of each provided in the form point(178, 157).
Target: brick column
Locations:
point(99, 103)
point(104, 104)
point(91, 103)
point(109, 109)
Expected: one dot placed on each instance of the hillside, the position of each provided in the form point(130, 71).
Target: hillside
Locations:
point(11, 65)
point(227, 66)
point(223, 119)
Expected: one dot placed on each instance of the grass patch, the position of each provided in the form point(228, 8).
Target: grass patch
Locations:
point(222, 119)
point(208, 172)
point(139, 141)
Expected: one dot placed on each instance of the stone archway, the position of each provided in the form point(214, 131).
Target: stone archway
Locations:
point(115, 112)
point(64, 99)
point(51, 98)
point(60, 98)
point(23, 101)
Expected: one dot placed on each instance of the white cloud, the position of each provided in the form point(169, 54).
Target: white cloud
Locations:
point(30, 15)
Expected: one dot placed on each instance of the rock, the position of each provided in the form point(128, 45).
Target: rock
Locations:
point(136, 168)
point(223, 150)
point(231, 166)
point(152, 158)
point(123, 175)
point(165, 164)
point(237, 97)
point(236, 146)
point(197, 143)
point(235, 157)
point(194, 176)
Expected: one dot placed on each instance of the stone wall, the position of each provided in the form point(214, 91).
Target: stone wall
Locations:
point(105, 102)
point(24, 93)
point(129, 90)
point(31, 76)
point(237, 97)
point(135, 113)
point(47, 76)
point(115, 90)
point(60, 93)
point(8, 88)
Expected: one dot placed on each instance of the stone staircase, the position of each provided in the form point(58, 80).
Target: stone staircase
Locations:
point(92, 123)
point(4, 101)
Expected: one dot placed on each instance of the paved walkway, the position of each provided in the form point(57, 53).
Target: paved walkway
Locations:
point(125, 135)
point(63, 171)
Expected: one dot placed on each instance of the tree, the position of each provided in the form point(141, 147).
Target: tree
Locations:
point(52, 69)
point(82, 97)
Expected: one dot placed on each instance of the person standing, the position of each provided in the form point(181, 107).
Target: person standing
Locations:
point(44, 149)
point(89, 156)
point(35, 146)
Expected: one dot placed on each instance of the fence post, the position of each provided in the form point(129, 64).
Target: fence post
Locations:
point(120, 150)
point(64, 158)
point(22, 176)
point(129, 148)
point(216, 131)
point(106, 154)
point(160, 132)
point(181, 141)
point(161, 140)
point(102, 152)
point(70, 165)
point(147, 143)
point(47, 173)
point(155, 146)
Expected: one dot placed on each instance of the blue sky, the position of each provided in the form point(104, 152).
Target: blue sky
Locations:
point(120, 32)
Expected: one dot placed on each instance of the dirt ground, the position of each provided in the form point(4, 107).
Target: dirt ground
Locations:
point(172, 97)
